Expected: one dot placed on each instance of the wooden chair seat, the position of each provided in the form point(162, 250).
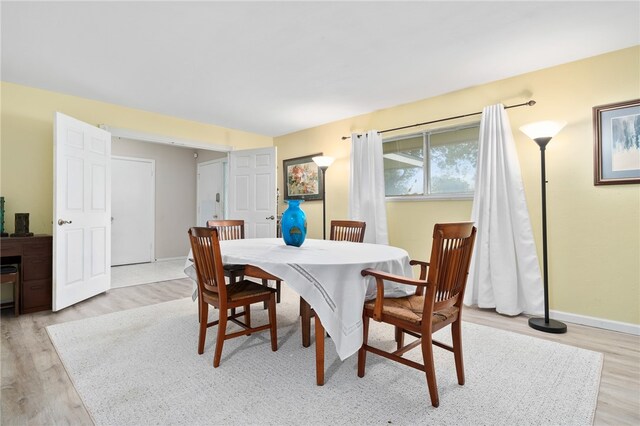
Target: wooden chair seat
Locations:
point(239, 291)
point(410, 309)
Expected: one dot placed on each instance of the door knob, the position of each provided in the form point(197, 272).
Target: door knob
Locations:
point(62, 222)
point(272, 217)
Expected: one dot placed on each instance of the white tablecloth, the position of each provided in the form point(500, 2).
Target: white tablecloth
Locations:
point(327, 275)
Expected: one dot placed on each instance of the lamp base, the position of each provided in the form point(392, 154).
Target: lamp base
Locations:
point(552, 326)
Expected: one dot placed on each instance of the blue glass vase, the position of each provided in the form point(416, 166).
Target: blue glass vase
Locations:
point(294, 224)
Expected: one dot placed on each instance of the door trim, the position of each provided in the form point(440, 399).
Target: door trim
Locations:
point(166, 140)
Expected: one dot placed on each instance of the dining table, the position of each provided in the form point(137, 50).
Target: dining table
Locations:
point(326, 274)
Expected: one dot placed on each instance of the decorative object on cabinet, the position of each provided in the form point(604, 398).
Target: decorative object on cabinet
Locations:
point(616, 155)
point(22, 226)
point(2, 233)
point(301, 180)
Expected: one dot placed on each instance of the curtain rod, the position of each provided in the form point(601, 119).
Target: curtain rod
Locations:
point(530, 103)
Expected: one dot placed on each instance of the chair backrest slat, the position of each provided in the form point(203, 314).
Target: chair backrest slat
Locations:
point(205, 247)
point(228, 229)
point(347, 230)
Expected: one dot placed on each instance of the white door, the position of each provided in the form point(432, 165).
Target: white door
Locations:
point(82, 211)
point(252, 190)
point(210, 191)
point(132, 210)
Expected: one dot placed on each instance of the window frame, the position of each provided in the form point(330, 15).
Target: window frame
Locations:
point(426, 146)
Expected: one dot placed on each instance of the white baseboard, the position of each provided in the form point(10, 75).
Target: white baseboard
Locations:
point(622, 327)
point(165, 259)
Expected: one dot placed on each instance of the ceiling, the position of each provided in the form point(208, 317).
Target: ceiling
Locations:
point(273, 68)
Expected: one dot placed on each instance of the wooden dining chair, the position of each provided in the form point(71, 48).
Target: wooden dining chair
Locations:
point(341, 230)
point(422, 314)
point(233, 229)
point(213, 290)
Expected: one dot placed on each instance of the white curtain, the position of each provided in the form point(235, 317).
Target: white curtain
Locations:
point(505, 273)
point(366, 186)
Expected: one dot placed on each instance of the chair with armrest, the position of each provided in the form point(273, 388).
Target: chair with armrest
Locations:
point(213, 290)
point(436, 304)
point(341, 230)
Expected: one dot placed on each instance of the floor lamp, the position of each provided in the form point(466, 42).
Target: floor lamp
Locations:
point(323, 163)
point(542, 132)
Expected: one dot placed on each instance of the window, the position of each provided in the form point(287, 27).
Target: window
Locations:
point(434, 164)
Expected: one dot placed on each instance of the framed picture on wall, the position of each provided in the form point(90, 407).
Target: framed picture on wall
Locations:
point(302, 179)
point(617, 143)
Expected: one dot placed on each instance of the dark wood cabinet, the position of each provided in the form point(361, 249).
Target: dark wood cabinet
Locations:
point(34, 257)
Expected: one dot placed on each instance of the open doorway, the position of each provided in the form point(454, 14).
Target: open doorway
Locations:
point(211, 191)
point(172, 193)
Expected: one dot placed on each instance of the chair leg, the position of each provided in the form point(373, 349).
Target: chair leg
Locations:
point(399, 337)
point(199, 309)
point(222, 331)
point(429, 368)
point(278, 286)
point(203, 315)
point(305, 320)
point(247, 316)
point(456, 337)
point(265, 304)
point(362, 352)
point(272, 321)
point(233, 277)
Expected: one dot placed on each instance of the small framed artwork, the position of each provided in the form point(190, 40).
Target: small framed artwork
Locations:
point(302, 179)
point(616, 154)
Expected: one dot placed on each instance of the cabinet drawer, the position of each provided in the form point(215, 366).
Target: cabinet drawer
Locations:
point(39, 247)
point(10, 248)
point(36, 295)
point(36, 268)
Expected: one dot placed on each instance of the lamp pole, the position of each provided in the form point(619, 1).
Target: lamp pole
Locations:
point(542, 133)
point(323, 163)
point(324, 211)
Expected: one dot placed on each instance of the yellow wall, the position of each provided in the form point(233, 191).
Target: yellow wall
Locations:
point(594, 232)
point(26, 178)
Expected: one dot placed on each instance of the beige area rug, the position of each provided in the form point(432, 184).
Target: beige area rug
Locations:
point(141, 366)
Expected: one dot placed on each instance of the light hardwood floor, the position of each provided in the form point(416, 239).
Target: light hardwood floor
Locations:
point(37, 391)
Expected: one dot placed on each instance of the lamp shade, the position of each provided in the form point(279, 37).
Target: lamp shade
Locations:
point(323, 161)
point(543, 129)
